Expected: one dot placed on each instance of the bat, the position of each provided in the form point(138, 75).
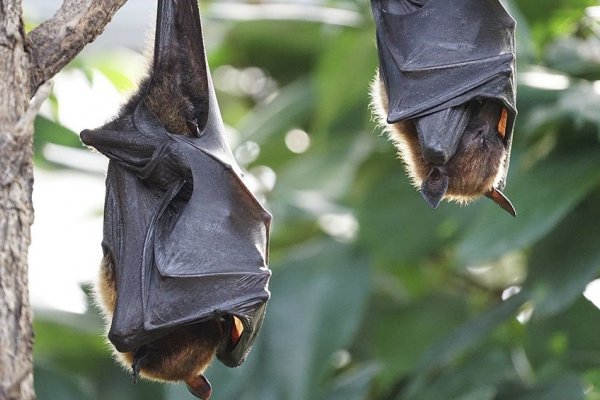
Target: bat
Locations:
point(184, 277)
point(445, 93)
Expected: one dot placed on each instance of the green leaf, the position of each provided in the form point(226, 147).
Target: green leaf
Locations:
point(542, 196)
point(566, 261)
point(564, 340)
point(342, 87)
point(565, 387)
point(51, 383)
point(287, 49)
point(47, 131)
point(477, 377)
point(265, 120)
point(73, 361)
point(549, 19)
point(575, 56)
point(459, 341)
point(396, 224)
point(268, 123)
point(402, 334)
point(353, 385)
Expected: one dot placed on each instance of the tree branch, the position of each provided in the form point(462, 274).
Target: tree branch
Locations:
point(57, 41)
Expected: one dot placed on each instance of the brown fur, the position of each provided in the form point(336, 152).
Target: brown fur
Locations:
point(182, 354)
point(472, 172)
point(171, 113)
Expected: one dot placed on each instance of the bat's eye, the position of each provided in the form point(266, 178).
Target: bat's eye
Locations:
point(502, 123)
point(237, 329)
point(435, 175)
point(479, 133)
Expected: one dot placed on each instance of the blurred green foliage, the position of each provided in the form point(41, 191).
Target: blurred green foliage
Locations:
point(376, 296)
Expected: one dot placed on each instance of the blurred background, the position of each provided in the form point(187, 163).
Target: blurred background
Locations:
point(374, 295)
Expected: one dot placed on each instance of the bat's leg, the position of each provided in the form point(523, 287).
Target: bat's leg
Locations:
point(139, 356)
point(199, 386)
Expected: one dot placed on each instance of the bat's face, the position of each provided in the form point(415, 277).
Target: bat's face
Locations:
point(457, 155)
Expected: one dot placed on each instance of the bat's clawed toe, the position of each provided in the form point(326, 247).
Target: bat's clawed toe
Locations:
point(138, 361)
point(499, 198)
point(199, 386)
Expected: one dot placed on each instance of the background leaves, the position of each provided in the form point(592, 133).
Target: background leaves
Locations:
point(376, 296)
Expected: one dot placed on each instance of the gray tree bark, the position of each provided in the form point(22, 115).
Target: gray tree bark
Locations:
point(26, 63)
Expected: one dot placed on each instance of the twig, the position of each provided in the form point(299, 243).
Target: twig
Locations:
point(34, 107)
point(58, 40)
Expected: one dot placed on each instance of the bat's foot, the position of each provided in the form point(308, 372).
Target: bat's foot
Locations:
point(138, 360)
point(199, 386)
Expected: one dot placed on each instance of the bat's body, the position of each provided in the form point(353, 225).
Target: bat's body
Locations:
point(445, 94)
point(472, 171)
point(184, 275)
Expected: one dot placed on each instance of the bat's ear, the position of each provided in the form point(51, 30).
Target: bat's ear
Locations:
point(499, 198)
point(434, 187)
point(502, 123)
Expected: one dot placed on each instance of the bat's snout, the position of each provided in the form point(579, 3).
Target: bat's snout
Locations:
point(436, 155)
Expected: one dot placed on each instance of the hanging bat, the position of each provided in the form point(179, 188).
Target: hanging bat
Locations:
point(445, 93)
point(184, 276)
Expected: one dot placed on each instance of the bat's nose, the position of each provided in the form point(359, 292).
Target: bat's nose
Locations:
point(436, 155)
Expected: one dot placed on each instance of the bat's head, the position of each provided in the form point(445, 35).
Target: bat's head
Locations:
point(457, 154)
point(475, 167)
point(184, 353)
